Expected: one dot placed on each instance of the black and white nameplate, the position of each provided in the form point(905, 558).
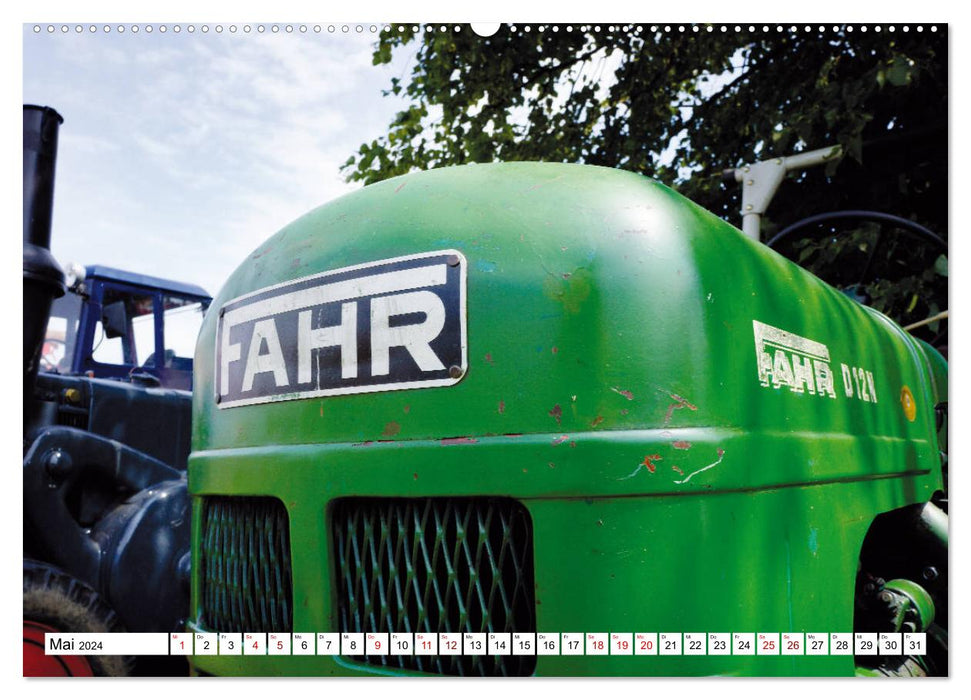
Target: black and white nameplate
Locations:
point(386, 325)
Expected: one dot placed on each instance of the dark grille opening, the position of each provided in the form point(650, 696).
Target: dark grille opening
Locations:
point(436, 565)
point(245, 562)
point(72, 417)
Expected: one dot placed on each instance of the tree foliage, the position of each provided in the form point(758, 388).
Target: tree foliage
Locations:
point(681, 107)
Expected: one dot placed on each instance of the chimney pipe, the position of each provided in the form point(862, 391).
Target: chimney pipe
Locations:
point(43, 277)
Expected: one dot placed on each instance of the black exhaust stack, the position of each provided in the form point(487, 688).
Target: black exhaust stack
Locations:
point(43, 277)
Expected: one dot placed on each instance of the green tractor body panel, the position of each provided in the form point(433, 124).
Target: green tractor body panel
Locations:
point(699, 431)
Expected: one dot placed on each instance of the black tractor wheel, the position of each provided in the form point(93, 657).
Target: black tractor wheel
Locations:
point(55, 601)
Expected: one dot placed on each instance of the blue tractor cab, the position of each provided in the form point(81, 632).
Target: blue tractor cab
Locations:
point(115, 324)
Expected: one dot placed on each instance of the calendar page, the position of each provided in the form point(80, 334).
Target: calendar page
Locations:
point(609, 349)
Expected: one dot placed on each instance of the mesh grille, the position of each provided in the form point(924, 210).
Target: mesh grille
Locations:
point(245, 558)
point(72, 417)
point(436, 565)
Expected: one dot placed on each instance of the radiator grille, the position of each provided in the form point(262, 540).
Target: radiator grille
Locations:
point(245, 562)
point(436, 565)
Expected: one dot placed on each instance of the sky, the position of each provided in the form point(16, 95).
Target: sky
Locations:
point(181, 152)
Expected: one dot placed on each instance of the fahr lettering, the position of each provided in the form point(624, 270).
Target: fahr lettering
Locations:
point(387, 325)
point(787, 359)
point(266, 356)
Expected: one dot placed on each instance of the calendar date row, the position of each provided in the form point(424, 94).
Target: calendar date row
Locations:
point(372, 644)
point(352, 644)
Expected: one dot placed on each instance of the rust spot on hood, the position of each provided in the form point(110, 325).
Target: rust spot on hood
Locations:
point(562, 438)
point(679, 403)
point(649, 462)
point(556, 412)
point(502, 407)
point(681, 445)
point(623, 392)
point(596, 421)
point(391, 429)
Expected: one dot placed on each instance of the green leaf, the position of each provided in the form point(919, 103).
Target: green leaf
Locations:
point(899, 72)
point(940, 265)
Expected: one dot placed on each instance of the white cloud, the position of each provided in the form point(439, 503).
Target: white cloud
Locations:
point(180, 154)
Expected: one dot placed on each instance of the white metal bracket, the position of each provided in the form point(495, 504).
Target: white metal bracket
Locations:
point(761, 180)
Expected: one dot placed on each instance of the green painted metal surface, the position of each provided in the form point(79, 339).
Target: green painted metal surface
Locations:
point(630, 367)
